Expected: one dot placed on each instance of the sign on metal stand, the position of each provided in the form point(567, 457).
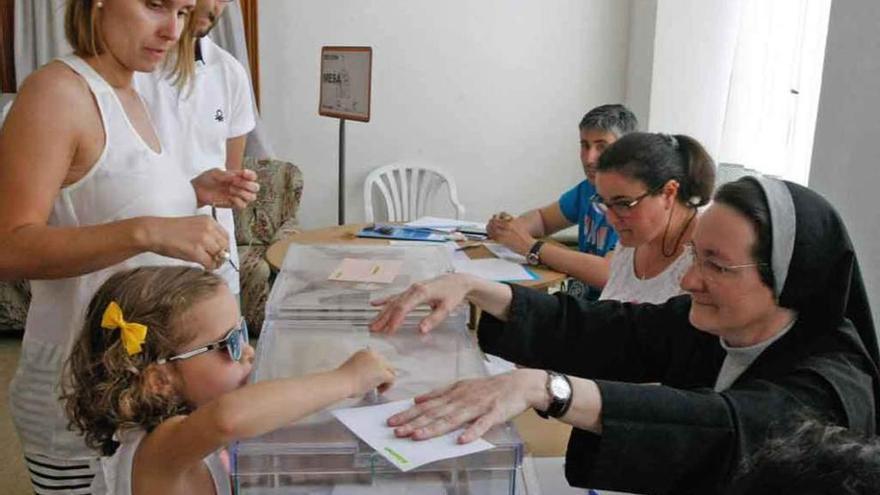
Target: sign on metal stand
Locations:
point(346, 73)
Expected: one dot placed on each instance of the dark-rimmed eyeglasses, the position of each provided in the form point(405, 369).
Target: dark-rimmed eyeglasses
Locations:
point(711, 269)
point(234, 343)
point(621, 207)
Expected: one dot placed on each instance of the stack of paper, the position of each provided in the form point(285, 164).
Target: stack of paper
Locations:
point(448, 224)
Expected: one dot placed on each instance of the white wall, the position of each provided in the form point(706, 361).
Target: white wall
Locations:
point(640, 59)
point(846, 157)
point(694, 43)
point(492, 90)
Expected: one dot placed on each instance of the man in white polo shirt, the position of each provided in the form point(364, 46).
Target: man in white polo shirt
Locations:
point(207, 122)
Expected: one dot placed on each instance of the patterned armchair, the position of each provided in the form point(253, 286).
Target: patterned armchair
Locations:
point(272, 216)
point(15, 296)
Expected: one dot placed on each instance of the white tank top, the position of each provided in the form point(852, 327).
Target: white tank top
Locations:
point(624, 285)
point(114, 476)
point(128, 180)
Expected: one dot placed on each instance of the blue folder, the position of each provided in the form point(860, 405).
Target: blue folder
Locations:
point(402, 233)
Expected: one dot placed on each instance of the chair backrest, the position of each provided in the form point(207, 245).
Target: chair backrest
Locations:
point(407, 191)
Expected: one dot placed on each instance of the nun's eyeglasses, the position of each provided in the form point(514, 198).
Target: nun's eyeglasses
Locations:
point(621, 207)
point(712, 270)
point(234, 343)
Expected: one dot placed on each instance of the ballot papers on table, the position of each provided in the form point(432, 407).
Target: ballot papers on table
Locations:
point(495, 269)
point(449, 225)
point(505, 253)
point(369, 423)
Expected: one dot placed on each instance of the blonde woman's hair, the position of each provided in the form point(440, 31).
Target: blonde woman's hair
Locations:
point(182, 66)
point(105, 388)
point(82, 30)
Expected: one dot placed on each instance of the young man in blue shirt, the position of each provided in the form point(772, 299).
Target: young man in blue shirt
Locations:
point(589, 266)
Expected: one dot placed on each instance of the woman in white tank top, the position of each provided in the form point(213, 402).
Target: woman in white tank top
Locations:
point(86, 189)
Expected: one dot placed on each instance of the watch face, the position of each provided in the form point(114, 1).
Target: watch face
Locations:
point(560, 388)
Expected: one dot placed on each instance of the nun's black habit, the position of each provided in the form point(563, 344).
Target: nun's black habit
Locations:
point(682, 436)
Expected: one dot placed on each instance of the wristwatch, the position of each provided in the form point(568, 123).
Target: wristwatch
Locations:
point(534, 256)
point(559, 389)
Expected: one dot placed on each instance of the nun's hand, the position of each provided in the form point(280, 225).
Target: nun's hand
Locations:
point(442, 294)
point(226, 189)
point(480, 403)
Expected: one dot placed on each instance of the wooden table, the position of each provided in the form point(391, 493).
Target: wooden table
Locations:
point(347, 234)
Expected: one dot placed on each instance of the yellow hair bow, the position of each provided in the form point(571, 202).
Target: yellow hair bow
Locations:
point(133, 334)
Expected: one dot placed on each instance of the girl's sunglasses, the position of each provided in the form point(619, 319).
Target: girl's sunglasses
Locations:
point(233, 342)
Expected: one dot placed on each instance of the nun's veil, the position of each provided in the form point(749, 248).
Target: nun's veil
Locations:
point(814, 264)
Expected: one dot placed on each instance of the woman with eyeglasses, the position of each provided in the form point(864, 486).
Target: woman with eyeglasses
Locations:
point(650, 187)
point(671, 398)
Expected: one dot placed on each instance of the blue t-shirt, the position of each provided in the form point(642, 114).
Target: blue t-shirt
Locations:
point(595, 235)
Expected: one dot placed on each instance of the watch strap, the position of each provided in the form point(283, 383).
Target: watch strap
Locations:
point(558, 406)
point(534, 256)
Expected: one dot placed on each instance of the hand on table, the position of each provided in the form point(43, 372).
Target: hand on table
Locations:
point(511, 232)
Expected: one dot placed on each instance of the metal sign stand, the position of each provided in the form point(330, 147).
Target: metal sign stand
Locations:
point(341, 189)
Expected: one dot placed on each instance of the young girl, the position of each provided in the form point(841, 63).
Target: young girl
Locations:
point(157, 382)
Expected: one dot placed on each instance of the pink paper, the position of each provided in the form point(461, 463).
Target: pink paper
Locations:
point(358, 270)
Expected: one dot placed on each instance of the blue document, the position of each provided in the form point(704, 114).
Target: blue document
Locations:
point(402, 233)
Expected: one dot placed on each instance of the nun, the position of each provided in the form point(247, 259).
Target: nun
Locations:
point(673, 398)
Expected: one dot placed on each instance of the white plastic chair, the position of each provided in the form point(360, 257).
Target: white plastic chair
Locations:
point(408, 190)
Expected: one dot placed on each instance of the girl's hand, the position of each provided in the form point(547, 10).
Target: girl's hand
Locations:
point(197, 238)
point(226, 189)
point(482, 403)
point(442, 294)
point(368, 370)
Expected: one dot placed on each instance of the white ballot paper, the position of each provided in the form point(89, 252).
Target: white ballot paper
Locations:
point(505, 253)
point(494, 269)
point(370, 425)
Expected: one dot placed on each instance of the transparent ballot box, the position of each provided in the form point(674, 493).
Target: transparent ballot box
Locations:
point(318, 455)
point(303, 291)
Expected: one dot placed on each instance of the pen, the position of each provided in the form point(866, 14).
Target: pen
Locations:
point(225, 254)
point(467, 246)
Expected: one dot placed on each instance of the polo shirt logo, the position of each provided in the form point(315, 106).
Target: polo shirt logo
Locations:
point(218, 115)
